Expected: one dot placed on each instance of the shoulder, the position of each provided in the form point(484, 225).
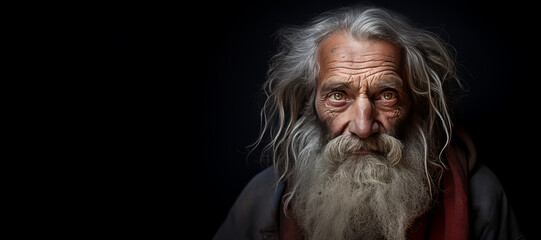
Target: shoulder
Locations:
point(261, 191)
point(261, 183)
point(486, 191)
point(491, 214)
point(254, 210)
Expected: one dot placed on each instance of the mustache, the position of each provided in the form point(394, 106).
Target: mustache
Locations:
point(385, 145)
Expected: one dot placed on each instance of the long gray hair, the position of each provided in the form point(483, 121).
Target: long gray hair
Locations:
point(291, 83)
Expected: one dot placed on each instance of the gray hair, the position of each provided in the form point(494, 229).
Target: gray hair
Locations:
point(291, 83)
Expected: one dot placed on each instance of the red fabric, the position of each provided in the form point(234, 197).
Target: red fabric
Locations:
point(289, 230)
point(449, 221)
point(455, 197)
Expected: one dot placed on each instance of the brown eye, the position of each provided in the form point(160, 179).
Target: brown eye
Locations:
point(388, 95)
point(338, 96)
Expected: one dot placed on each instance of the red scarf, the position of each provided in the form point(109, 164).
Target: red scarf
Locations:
point(448, 220)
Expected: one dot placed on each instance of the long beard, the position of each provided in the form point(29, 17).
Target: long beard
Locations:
point(338, 194)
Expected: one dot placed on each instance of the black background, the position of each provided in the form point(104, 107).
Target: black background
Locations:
point(210, 60)
point(494, 45)
point(152, 107)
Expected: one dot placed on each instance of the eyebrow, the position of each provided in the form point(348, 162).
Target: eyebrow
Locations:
point(336, 85)
point(389, 82)
point(384, 82)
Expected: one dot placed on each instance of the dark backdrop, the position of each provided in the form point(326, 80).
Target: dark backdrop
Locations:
point(159, 103)
point(230, 49)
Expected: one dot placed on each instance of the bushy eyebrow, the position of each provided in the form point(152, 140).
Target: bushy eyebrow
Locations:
point(336, 85)
point(388, 82)
point(382, 83)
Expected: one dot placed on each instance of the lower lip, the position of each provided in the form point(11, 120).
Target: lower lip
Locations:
point(363, 152)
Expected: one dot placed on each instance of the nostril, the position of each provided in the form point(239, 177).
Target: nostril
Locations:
point(361, 128)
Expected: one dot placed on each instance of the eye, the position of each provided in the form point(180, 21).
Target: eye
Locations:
point(337, 99)
point(388, 95)
point(337, 96)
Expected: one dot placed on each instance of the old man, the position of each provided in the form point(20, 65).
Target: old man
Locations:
point(363, 145)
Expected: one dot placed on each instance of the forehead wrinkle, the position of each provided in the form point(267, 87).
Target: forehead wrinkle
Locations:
point(353, 54)
point(364, 71)
point(358, 64)
point(361, 64)
point(376, 62)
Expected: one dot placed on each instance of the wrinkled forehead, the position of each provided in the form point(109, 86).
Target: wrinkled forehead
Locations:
point(341, 48)
point(342, 42)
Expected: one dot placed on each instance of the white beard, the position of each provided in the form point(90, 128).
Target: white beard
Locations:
point(337, 194)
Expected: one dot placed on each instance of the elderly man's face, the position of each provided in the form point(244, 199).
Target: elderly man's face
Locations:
point(360, 90)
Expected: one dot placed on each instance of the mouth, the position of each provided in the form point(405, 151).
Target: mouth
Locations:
point(364, 152)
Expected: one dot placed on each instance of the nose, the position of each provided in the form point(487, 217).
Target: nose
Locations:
point(361, 119)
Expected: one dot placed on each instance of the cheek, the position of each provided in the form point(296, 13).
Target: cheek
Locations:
point(324, 115)
point(332, 120)
point(390, 120)
point(320, 109)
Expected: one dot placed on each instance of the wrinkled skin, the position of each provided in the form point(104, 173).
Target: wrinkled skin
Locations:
point(360, 87)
